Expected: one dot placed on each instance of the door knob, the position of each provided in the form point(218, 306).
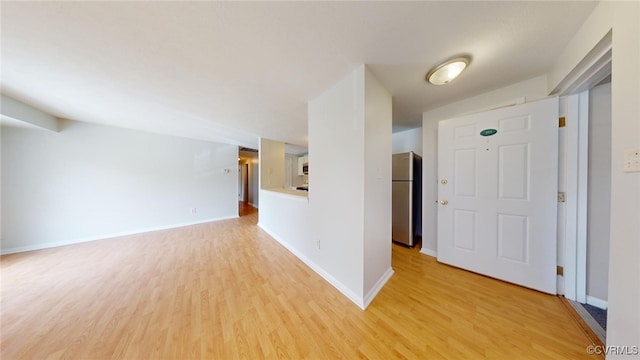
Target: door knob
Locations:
point(444, 202)
point(444, 181)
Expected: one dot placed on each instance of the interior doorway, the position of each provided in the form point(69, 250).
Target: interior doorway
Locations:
point(243, 182)
point(593, 240)
point(594, 69)
point(598, 195)
point(247, 181)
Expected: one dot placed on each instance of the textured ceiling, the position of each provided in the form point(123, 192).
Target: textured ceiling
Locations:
point(235, 71)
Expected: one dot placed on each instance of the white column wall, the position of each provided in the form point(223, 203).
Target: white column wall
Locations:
point(623, 321)
point(377, 187)
point(350, 188)
point(336, 150)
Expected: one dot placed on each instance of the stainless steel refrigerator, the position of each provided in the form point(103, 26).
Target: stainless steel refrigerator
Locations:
point(406, 198)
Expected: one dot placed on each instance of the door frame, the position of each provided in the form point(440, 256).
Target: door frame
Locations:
point(577, 164)
point(594, 68)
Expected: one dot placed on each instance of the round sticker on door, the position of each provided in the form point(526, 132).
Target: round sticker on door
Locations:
point(488, 132)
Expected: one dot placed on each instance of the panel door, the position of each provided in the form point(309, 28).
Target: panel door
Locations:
point(497, 192)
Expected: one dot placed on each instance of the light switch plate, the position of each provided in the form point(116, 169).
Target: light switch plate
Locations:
point(632, 160)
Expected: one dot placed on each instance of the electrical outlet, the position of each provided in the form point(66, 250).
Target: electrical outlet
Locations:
point(318, 243)
point(194, 211)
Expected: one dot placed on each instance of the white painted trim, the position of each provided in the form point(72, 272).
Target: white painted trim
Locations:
point(105, 236)
point(253, 205)
point(325, 275)
point(592, 69)
point(571, 196)
point(299, 195)
point(591, 322)
point(19, 111)
point(583, 176)
point(599, 303)
point(595, 66)
point(560, 285)
point(377, 287)
point(511, 102)
point(429, 252)
point(575, 268)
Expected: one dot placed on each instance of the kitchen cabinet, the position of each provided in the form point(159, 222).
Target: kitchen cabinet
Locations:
point(302, 160)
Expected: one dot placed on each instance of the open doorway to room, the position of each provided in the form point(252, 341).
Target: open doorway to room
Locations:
point(588, 186)
point(247, 181)
point(591, 303)
point(243, 181)
point(598, 193)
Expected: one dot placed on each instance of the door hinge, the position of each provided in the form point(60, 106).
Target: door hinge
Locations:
point(562, 122)
point(561, 197)
point(559, 270)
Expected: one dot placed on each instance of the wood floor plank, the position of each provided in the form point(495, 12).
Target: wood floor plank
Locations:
point(226, 290)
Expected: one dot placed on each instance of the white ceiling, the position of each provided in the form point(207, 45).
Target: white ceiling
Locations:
point(235, 71)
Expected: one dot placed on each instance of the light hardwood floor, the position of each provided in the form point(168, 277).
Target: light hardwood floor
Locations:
point(226, 290)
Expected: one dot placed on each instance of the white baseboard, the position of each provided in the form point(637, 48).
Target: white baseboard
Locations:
point(377, 287)
point(253, 205)
point(105, 236)
point(429, 252)
point(560, 286)
point(358, 300)
point(599, 303)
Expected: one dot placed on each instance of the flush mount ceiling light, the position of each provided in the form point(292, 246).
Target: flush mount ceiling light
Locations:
point(447, 71)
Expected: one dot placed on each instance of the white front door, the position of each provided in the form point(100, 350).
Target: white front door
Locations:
point(497, 193)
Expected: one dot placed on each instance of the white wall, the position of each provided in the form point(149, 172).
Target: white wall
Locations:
point(288, 219)
point(90, 181)
point(623, 20)
point(408, 140)
point(623, 321)
point(336, 149)
point(272, 162)
point(377, 185)
point(599, 180)
point(530, 90)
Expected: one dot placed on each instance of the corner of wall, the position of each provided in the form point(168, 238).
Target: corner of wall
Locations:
point(371, 294)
